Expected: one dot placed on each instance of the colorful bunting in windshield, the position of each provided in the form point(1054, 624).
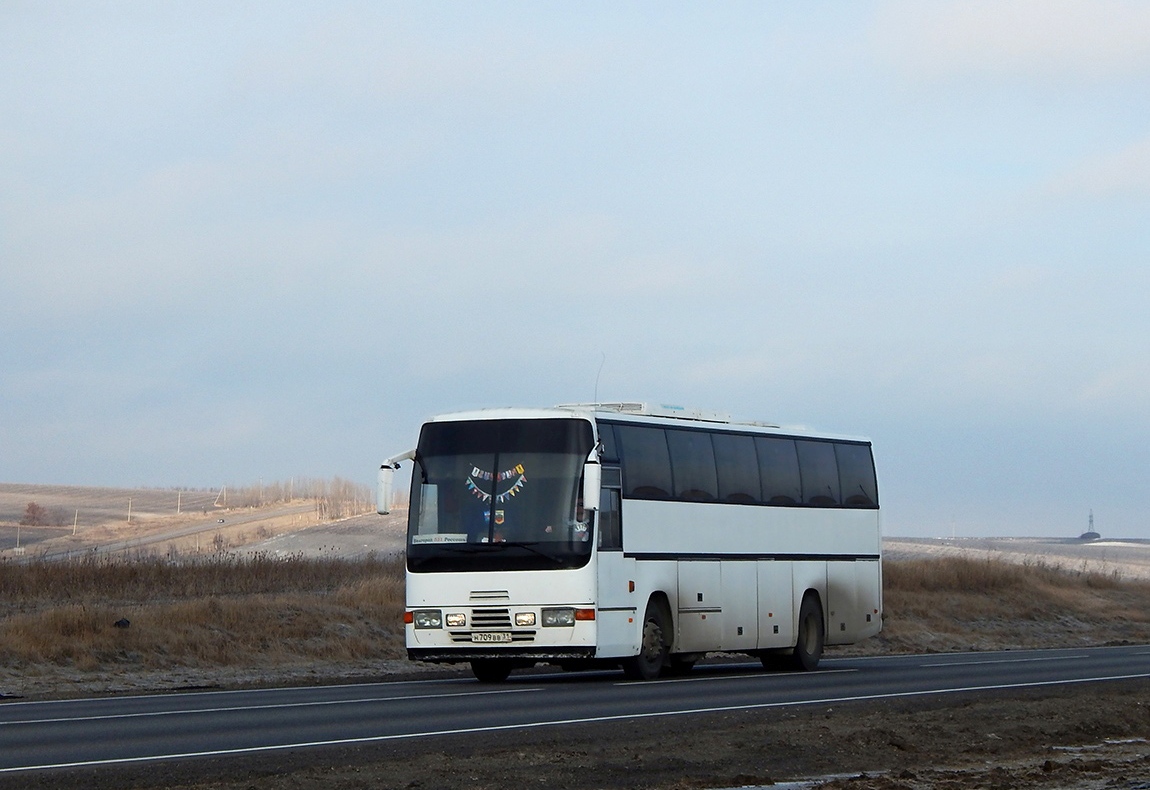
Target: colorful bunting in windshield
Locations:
point(516, 474)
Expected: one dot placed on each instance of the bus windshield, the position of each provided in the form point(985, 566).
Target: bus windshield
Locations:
point(491, 495)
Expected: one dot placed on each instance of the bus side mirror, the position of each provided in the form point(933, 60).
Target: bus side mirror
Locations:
point(592, 477)
point(383, 491)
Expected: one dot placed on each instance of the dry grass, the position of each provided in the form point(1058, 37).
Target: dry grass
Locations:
point(959, 603)
point(269, 613)
point(987, 575)
point(146, 578)
point(258, 611)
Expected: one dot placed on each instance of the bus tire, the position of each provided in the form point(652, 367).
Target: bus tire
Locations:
point(809, 645)
point(775, 660)
point(654, 646)
point(490, 670)
point(683, 663)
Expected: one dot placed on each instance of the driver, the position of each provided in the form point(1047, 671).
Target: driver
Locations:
point(578, 527)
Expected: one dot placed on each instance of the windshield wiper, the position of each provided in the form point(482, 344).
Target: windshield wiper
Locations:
point(466, 548)
point(530, 546)
point(501, 545)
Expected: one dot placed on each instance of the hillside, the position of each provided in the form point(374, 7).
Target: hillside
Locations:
point(317, 518)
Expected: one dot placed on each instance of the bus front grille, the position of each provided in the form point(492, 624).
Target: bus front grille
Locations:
point(490, 621)
point(491, 618)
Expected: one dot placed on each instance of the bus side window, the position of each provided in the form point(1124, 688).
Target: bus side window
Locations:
point(646, 461)
point(693, 465)
point(607, 439)
point(856, 475)
point(738, 469)
point(779, 469)
point(820, 473)
point(610, 517)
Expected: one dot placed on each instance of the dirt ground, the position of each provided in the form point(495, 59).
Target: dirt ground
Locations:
point(1088, 736)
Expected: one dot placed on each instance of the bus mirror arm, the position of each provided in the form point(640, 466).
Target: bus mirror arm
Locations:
point(386, 476)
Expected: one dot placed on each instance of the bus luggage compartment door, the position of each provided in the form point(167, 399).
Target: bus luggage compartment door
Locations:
point(776, 604)
point(842, 603)
point(700, 606)
point(740, 605)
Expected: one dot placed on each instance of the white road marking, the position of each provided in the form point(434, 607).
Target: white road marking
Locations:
point(1002, 661)
point(760, 674)
point(234, 692)
point(240, 708)
point(558, 722)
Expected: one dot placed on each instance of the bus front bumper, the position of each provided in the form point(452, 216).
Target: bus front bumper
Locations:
point(448, 655)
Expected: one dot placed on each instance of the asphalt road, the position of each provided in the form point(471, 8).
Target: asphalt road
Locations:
point(41, 736)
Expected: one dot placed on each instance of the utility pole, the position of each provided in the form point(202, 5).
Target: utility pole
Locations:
point(129, 510)
point(75, 521)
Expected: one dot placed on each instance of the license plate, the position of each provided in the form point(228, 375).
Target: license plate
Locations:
point(491, 637)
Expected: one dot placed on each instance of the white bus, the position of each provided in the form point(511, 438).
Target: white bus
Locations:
point(637, 536)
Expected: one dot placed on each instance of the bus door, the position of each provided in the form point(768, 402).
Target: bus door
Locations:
point(615, 602)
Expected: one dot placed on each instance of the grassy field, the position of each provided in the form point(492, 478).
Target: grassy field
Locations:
point(946, 604)
point(264, 619)
point(261, 614)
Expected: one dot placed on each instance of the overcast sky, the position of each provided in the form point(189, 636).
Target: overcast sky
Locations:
point(244, 241)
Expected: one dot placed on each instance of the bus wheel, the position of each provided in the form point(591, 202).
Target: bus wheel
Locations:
point(653, 650)
point(490, 670)
point(809, 648)
point(774, 660)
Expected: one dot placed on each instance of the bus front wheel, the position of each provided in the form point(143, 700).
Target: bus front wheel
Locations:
point(683, 663)
point(653, 650)
point(490, 670)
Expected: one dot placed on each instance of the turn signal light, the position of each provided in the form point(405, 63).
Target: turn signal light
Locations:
point(584, 614)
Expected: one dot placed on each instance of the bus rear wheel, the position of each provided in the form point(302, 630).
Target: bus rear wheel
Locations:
point(653, 650)
point(490, 670)
point(809, 647)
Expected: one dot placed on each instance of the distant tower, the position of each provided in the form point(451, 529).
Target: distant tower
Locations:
point(1090, 534)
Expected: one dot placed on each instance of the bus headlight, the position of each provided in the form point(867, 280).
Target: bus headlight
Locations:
point(558, 616)
point(525, 618)
point(455, 619)
point(427, 618)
